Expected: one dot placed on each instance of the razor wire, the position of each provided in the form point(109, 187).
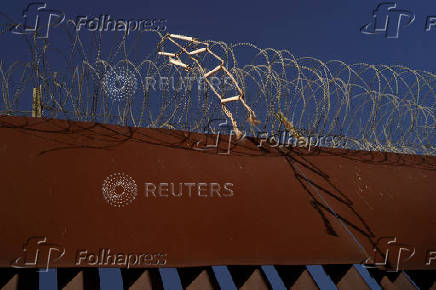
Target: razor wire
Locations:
point(389, 108)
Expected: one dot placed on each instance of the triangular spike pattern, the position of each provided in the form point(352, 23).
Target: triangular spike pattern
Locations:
point(402, 282)
point(336, 272)
point(241, 274)
point(202, 281)
point(188, 275)
point(290, 274)
point(66, 277)
point(11, 284)
point(76, 283)
point(379, 275)
point(256, 282)
point(352, 280)
point(423, 279)
point(134, 279)
point(78, 279)
point(244, 277)
point(19, 279)
point(198, 278)
point(8, 279)
point(143, 282)
point(305, 281)
point(132, 276)
point(387, 284)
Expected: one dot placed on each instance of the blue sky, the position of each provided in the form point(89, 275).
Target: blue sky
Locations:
point(322, 29)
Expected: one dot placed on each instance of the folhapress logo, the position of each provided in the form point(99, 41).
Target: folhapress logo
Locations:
point(388, 20)
point(119, 189)
point(106, 257)
point(38, 253)
point(38, 18)
point(394, 256)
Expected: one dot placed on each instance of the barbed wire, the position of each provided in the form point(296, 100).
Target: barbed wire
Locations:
point(376, 107)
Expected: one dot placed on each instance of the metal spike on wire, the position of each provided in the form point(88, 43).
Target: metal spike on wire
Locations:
point(174, 58)
point(37, 102)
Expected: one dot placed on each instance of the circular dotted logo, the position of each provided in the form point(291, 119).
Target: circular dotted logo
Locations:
point(119, 189)
point(120, 83)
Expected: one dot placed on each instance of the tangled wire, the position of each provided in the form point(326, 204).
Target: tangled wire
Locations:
point(378, 107)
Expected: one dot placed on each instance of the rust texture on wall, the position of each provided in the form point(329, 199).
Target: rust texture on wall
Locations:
point(76, 194)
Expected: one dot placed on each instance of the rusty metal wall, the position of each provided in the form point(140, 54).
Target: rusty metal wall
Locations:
point(287, 207)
